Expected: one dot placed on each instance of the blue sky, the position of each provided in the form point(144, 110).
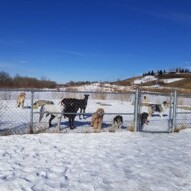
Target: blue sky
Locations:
point(95, 40)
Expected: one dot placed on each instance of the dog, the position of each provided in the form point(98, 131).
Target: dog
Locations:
point(21, 99)
point(97, 119)
point(144, 118)
point(40, 103)
point(117, 122)
point(55, 111)
point(157, 108)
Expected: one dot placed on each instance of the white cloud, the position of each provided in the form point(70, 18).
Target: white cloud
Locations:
point(72, 52)
point(179, 17)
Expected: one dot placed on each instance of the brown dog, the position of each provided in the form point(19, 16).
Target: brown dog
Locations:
point(97, 119)
point(21, 99)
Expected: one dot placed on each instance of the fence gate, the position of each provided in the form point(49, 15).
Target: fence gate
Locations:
point(182, 117)
point(159, 122)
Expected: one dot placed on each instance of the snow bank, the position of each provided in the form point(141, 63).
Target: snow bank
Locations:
point(98, 161)
point(167, 81)
point(145, 79)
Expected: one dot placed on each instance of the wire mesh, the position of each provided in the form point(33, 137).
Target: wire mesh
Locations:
point(14, 119)
point(40, 105)
point(158, 107)
point(113, 104)
point(183, 112)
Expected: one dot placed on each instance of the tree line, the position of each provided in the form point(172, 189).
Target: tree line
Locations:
point(6, 81)
point(161, 72)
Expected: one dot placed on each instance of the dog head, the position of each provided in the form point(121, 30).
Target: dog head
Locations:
point(144, 118)
point(100, 112)
point(118, 119)
point(165, 103)
point(86, 96)
point(22, 94)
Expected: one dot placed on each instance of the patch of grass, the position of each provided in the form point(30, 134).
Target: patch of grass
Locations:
point(181, 127)
point(131, 127)
point(97, 131)
point(112, 130)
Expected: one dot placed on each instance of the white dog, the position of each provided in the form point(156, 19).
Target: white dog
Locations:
point(157, 108)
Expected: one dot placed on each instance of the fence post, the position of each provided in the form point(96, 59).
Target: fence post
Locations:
point(170, 112)
point(31, 114)
point(136, 109)
point(174, 110)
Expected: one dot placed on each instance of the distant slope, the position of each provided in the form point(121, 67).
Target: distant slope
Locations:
point(179, 80)
point(185, 84)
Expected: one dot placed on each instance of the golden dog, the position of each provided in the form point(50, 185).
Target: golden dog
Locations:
point(21, 99)
point(97, 119)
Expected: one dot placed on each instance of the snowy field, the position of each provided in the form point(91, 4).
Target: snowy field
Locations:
point(96, 162)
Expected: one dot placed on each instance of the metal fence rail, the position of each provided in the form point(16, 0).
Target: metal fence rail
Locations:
point(18, 120)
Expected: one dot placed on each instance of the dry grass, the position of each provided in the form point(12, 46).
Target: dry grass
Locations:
point(181, 127)
point(97, 131)
point(99, 95)
point(184, 107)
point(112, 130)
point(132, 127)
point(71, 92)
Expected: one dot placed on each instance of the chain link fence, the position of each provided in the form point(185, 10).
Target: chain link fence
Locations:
point(29, 119)
point(160, 114)
point(183, 112)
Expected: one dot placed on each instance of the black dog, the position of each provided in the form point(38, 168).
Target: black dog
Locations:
point(144, 118)
point(117, 121)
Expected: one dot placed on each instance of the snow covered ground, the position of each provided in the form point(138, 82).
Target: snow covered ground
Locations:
point(96, 161)
point(166, 81)
point(145, 79)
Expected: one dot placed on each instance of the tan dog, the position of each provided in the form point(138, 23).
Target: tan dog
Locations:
point(97, 119)
point(40, 103)
point(21, 99)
